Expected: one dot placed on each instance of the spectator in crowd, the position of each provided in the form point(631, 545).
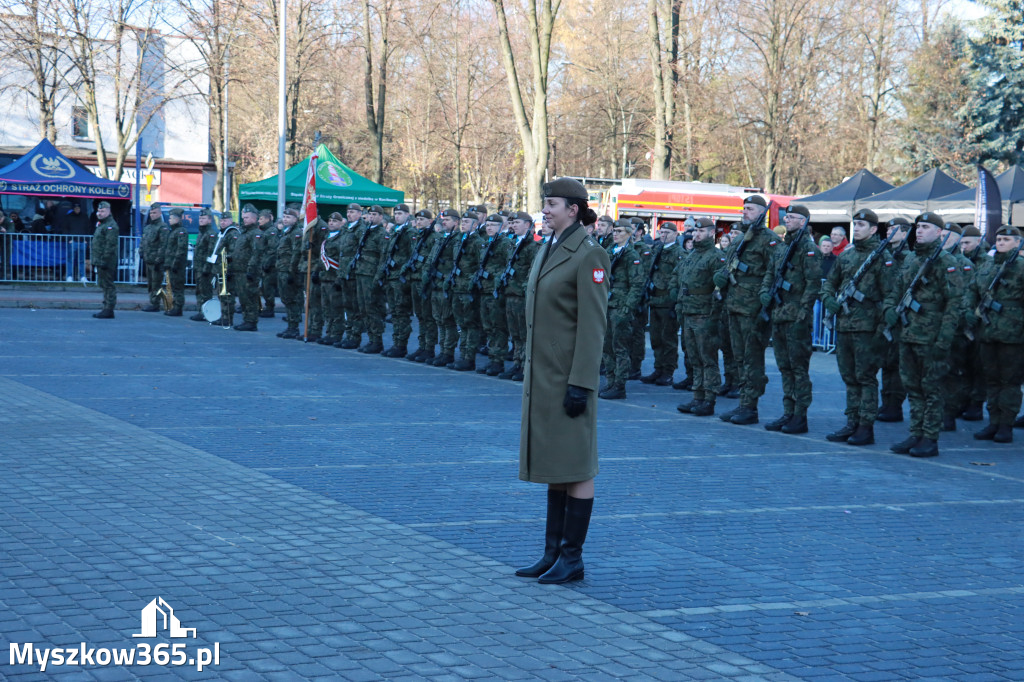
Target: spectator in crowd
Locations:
point(75, 224)
point(828, 255)
point(17, 225)
point(688, 242)
point(4, 225)
point(839, 241)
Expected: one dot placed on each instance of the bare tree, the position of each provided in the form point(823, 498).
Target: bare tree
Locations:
point(663, 37)
point(376, 34)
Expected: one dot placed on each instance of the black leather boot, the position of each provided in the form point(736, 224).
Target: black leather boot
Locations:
point(777, 424)
point(905, 445)
point(973, 413)
point(864, 435)
point(552, 536)
point(798, 424)
point(840, 435)
point(569, 564)
point(1004, 434)
point(987, 433)
point(926, 447)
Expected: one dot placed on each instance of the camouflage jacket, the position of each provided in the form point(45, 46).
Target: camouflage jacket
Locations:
point(936, 321)
point(1004, 305)
point(802, 276)
point(693, 286)
point(864, 315)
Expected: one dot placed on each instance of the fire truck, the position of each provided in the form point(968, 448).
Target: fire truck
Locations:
point(663, 200)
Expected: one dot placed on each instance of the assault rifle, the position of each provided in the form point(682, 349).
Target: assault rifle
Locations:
point(358, 254)
point(510, 266)
point(481, 273)
point(907, 301)
point(416, 257)
point(649, 282)
point(389, 257)
point(988, 302)
point(851, 290)
point(456, 270)
point(432, 273)
point(780, 281)
point(732, 261)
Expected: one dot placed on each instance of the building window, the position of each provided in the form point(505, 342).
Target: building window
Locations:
point(80, 128)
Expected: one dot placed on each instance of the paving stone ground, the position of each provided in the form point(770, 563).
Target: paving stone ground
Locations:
point(327, 515)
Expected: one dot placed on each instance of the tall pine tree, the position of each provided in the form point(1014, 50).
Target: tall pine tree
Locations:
point(996, 107)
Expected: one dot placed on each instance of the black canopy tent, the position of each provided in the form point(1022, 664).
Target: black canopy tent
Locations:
point(912, 198)
point(959, 207)
point(836, 205)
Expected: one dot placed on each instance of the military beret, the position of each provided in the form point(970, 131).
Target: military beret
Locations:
point(295, 206)
point(205, 212)
point(177, 212)
point(668, 225)
point(867, 215)
point(929, 217)
point(567, 188)
point(354, 207)
point(824, 238)
point(898, 221)
point(972, 231)
point(156, 205)
point(622, 222)
point(376, 209)
point(425, 214)
point(505, 214)
point(953, 227)
point(797, 209)
point(450, 213)
point(336, 216)
point(523, 215)
point(606, 219)
point(266, 213)
point(636, 221)
point(226, 215)
point(495, 219)
point(755, 199)
point(102, 204)
point(470, 215)
point(402, 207)
point(249, 208)
point(704, 222)
point(1008, 231)
point(292, 210)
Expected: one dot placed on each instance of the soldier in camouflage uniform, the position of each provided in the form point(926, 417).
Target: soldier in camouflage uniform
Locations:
point(512, 284)
point(332, 291)
point(435, 274)
point(175, 260)
point(493, 259)
point(229, 234)
point(699, 313)
point(730, 383)
point(103, 255)
point(397, 287)
point(152, 252)
point(202, 270)
point(860, 348)
point(351, 238)
point(893, 392)
point(310, 268)
point(268, 283)
point(289, 282)
point(246, 269)
point(638, 340)
point(603, 231)
point(465, 251)
point(369, 295)
point(664, 323)
point(995, 314)
point(791, 317)
point(626, 279)
point(958, 384)
point(412, 272)
point(926, 335)
point(739, 287)
point(976, 250)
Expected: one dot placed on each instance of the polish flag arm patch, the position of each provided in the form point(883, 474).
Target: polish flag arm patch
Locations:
point(598, 275)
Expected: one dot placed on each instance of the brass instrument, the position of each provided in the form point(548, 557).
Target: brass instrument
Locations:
point(166, 295)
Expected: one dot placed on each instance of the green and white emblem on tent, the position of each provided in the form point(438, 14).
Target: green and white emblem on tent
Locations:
point(333, 174)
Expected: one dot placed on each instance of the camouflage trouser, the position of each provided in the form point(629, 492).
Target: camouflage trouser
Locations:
point(248, 298)
point(975, 370)
point(204, 286)
point(466, 310)
point(292, 296)
point(444, 319)
point(354, 323)
point(749, 339)
point(700, 334)
point(268, 288)
point(664, 335)
point(426, 325)
point(893, 392)
point(315, 321)
point(725, 344)
point(1004, 373)
point(105, 278)
point(177, 283)
point(638, 341)
point(333, 305)
point(154, 278)
point(618, 342)
point(492, 315)
point(371, 306)
point(515, 316)
point(399, 297)
point(923, 371)
point(958, 383)
point(858, 355)
point(792, 344)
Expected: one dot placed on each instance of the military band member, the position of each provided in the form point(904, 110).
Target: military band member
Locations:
point(926, 334)
point(352, 237)
point(791, 319)
point(995, 313)
point(860, 348)
point(332, 291)
point(659, 277)
point(202, 270)
point(103, 255)
point(699, 313)
point(175, 260)
point(976, 250)
point(465, 252)
point(152, 252)
point(289, 281)
point(412, 271)
point(493, 258)
point(229, 233)
point(268, 279)
point(398, 287)
point(893, 392)
point(513, 284)
point(312, 239)
point(626, 281)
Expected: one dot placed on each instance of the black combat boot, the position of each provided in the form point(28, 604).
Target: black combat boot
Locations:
point(173, 312)
point(426, 356)
point(245, 327)
point(463, 365)
point(312, 338)
point(864, 435)
point(973, 413)
point(926, 447)
point(198, 317)
point(840, 435)
point(948, 422)
point(105, 314)
point(552, 536)
point(705, 409)
point(745, 416)
point(904, 446)
point(634, 375)
point(733, 394)
point(1004, 434)
point(777, 424)
point(495, 368)
point(687, 408)
point(987, 433)
point(1019, 423)
point(326, 340)
point(569, 564)
point(798, 424)
point(267, 313)
point(890, 413)
point(613, 392)
point(726, 416)
point(519, 375)
point(290, 333)
point(151, 308)
point(510, 372)
point(650, 378)
point(665, 380)
point(725, 389)
point(372, 348)
point(413, 356)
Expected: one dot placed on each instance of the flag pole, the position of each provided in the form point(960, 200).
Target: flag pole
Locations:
point(307, 197)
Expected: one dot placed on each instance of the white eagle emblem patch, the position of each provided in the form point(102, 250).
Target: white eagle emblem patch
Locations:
point(598, 275)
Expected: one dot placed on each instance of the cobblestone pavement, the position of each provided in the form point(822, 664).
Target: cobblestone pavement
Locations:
point(324, 514)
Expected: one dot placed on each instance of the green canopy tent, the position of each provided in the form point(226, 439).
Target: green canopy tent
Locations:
point(337, 185)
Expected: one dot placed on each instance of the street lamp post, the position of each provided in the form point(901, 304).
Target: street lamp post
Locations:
point(281, 107)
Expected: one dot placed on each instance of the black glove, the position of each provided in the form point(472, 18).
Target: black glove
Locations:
point(337, 286)
point(290, 281)
point(316, 278)
point(250, 278)
point(575, 401)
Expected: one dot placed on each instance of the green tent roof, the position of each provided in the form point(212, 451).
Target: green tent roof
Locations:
point(336, 185)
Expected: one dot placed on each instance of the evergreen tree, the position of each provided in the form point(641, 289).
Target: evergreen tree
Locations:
point(996, 106)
